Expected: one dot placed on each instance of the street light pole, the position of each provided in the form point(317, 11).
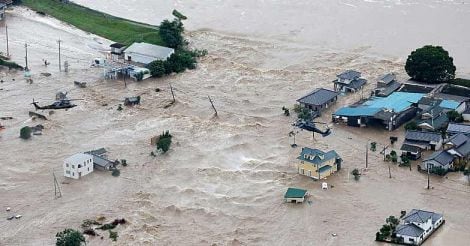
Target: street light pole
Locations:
point(60, 65)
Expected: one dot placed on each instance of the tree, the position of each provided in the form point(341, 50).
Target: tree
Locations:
point(286, 111)
point(180, 61)
point(356, 174)
point(69, 237)
point(116, 172)
point(157, 68)
point(385, 231)
point(392, 222)
point(164, 142)
point(454, 116)
point(373, 146)
point(412, 125)
point(25, 132)
point(405, 160)
point(430, 64)
point(304, 114)
point(139, 76)
point(171, 33)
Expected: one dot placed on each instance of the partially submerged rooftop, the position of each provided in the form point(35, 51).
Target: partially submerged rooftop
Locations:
point(295, 193)
point(318, 97)
point(421, 216)
point(423, 136)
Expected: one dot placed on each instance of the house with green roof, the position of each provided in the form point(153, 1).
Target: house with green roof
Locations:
point(295, 195)
point(318, 164)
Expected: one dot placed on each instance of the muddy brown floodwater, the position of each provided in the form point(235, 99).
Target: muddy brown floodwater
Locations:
point(222, 182)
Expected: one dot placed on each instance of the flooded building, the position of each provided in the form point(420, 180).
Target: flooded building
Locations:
point(318, 100)
point(390, 112)
point(295, 195)
point(457, 128)
point(78, 165)
point(417, 226)
point(459, 146)
point(317, 164)
point(386, 85)
point(349, 81)
point(144, 53)
point(439, 159)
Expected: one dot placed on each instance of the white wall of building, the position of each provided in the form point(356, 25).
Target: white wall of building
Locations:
point(78, 165)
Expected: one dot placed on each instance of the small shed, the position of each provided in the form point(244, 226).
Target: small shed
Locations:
point(130, 101)
point(117, 48)
point(295, 195)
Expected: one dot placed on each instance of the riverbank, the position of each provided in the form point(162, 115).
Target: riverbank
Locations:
point(104, 25)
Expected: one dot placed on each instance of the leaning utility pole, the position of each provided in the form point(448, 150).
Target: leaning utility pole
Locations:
point(8, 49)
point(57, 192)
point(172, 94)
point(60, 65)
point(212, 103)
point(26, 56)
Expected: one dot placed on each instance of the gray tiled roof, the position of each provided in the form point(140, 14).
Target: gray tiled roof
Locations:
point(423, 136)
point(458, 128)
point(409, 230)
point(429, 101)
point(389, 89)
point(410, 148)
point(441, 157)
point(458, 139)
point(464, 149)
point(349, 74)
point(387, 78)
point(420, 216)
point(319, 96)
point(102, 162)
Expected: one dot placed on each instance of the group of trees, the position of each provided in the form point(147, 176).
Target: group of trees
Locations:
point(171, 33)
point(164, 142)
point(387, 229)
point(454, 116)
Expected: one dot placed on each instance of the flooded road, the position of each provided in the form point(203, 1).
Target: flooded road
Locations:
point(383, 27)
point(223, 181)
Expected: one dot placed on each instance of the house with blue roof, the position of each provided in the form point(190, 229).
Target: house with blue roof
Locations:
point(317, 164)
point(417, 226)
point(390, 112)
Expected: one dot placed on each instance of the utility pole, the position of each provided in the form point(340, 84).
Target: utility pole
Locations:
point(389, 171)
point(26, 56)
point(8, 49)
point(212, 103)
point(173, 94)
point(367, 153)
point(428, 175)
point(57, 192)
point(60, 65)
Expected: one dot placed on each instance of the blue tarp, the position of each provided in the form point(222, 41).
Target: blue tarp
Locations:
point(397, 101)
point(449, 104)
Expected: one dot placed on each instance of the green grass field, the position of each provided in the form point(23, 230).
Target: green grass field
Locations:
point(104, 25)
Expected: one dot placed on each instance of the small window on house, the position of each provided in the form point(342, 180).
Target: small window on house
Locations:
point(412, 240)
point(73, 166)
point(73, 174)
point(88, 169)
point(67, 172)
point(66, 164)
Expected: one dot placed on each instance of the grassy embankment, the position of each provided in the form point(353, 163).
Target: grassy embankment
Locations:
point(461, 82)
point(104, 25)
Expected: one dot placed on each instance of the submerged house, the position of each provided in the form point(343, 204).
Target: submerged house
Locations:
point(318, 100)
point(459, 146)
point(317, 164)
point(466, 112)
point(433, 118)
point(386, 85)
point(100, 159)
point(295, 195)
point(390, 112)
point(418, 141)
point(349, 81)
point(78, 165)
point(417, 226)
point(144, 53)
point(439, 159)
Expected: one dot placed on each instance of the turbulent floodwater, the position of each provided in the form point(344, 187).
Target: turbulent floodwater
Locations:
point(390, 27)
point(223, 180)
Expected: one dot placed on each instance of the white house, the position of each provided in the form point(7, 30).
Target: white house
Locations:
point(78, 165)
point(144, 53)
point(417, 226)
